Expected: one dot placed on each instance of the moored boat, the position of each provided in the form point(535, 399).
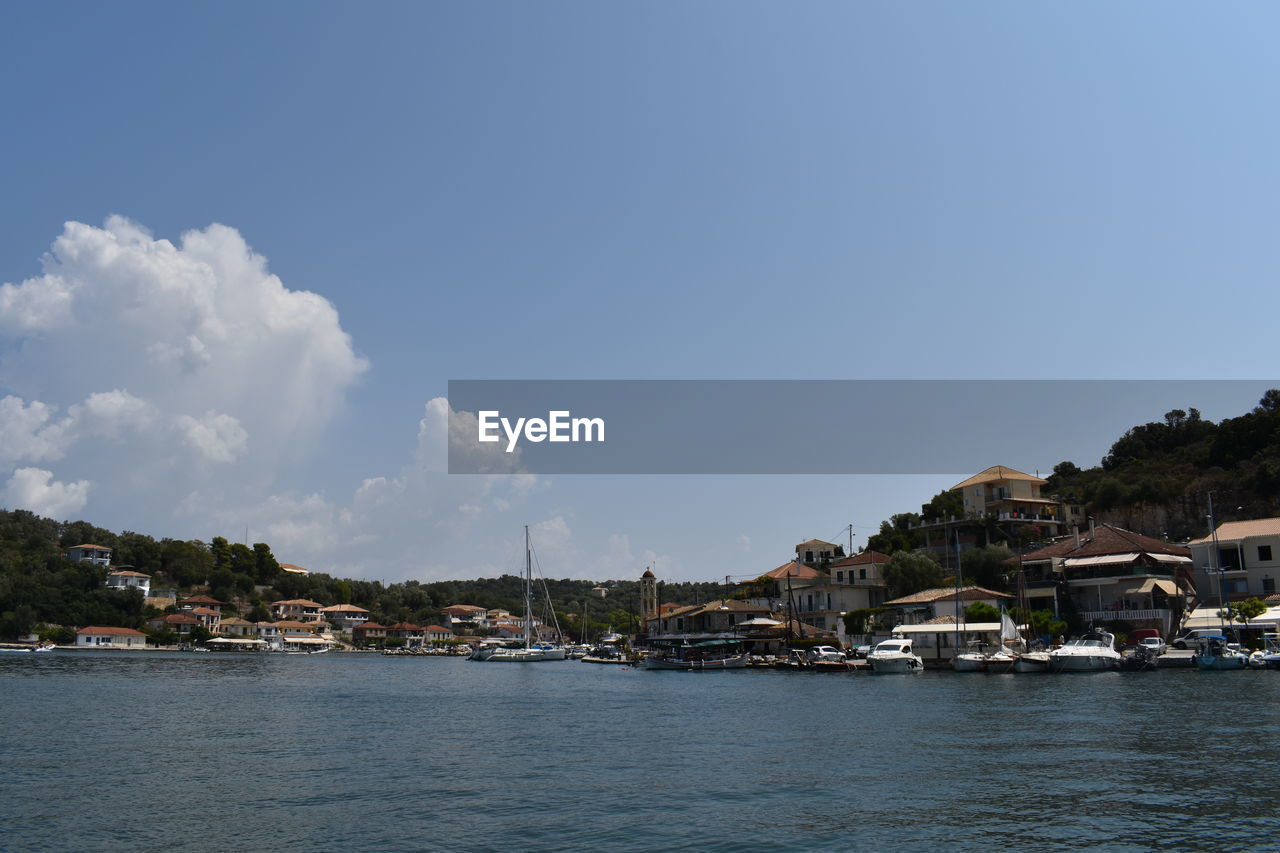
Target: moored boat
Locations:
point(1094, 651)
point(709, 654)
point(1218, 653)
point(894, 656)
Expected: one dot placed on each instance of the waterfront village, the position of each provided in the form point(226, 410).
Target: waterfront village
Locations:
point(1098, 580)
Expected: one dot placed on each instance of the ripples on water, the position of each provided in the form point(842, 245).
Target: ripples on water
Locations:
point(155, 751)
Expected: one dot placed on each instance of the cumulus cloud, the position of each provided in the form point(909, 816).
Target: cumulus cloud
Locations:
point(218, 437)
point(30, 433)
point(144, 362)
point(36, 490)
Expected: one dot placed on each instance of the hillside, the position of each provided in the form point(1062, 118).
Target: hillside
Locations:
point(40, 586)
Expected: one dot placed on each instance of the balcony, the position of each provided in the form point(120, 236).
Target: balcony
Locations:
point(1125, 615)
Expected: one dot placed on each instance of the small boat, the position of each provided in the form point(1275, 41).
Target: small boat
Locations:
point(1002, 660)
point(1139, 659)
point(1032, 662)
point(1217, 652)
point(971, 661)
point(13, 648)
point(894, 656)
point(1094, 651)
point(709, 654)
point(1268, 657)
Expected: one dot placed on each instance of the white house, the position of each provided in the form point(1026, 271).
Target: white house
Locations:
point(110, 638)
point(90, 554)
point(1247, 563)
point(128, 579)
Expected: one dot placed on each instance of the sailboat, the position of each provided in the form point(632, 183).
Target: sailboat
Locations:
point(971, 661)
point(530, 651)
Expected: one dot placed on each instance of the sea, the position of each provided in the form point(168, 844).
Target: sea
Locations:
point(161, 751)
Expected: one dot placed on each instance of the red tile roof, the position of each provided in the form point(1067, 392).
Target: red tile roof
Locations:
point(124, 573)
point(996, 474)
point(863, 559)
point(116, 632)
point(792, 569)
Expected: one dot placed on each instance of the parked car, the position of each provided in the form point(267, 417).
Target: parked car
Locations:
point(1156, 645)
point(1191, 639)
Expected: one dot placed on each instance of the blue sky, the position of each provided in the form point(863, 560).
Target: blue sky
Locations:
point(585, 190)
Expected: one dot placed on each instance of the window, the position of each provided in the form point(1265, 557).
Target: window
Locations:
point(1268, 585)
point(1264, 553)
point(862, 574)
point(839, 577)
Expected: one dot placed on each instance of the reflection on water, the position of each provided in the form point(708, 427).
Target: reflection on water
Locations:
point(151, 750)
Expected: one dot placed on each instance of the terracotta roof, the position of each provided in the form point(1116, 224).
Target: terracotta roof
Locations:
point(404, 626)
point(176, 619)
point(1107, 539)
point(290, 623)
point(437, 629)
point(90, 547)
point(343, 608)
point(118, 632)
point(865, 558)
point(648, 574)
point(205, 611)
point(815, 542)
point(463, 608)
point(288, 566)
point(947, 593)
point(995, 474)
point(233, 621)
point(302, 602)
point(201, 599)
point(1230, 531)
point(121, 573)
point(370, 626)
point(792, 569)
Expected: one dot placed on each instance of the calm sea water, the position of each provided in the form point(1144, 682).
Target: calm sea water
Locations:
point(161, 751)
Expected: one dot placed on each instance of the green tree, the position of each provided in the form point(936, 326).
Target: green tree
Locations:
point(986, 566)
point(980, 611)
point(908, 572)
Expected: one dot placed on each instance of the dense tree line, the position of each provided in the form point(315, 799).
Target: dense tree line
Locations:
point(1156, 479)
point(39, 585)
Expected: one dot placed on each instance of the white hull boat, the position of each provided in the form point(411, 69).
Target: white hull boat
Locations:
point(1093, 652)
point(1032, 662)
point(894, 657)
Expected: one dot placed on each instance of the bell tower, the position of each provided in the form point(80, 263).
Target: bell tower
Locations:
point(648, 595)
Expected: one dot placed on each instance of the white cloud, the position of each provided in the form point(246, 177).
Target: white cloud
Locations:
point(218, 437)
point(35, 489)
point(28, 432)
point(177, 369)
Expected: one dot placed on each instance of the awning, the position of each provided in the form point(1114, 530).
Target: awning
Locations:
point(1105, 559)
point(306, 641)
point(1150, 584)
point(239, 641)
point(948, 628)
point(1169, 558)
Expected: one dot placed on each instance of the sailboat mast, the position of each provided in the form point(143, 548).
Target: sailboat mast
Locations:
point(528, 591)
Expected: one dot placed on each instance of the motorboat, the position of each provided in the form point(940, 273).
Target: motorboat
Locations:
point(894, 656)
point(709, 654)
point(1094, 651)
point(1139, 658)
point(1268, 657)
point(1217, 652)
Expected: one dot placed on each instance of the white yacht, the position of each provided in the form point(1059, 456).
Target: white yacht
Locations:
point(894, 656)
point(1091, 652)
